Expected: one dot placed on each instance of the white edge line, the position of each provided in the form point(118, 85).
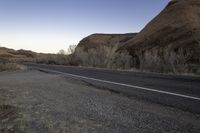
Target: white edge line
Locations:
point(121, 84)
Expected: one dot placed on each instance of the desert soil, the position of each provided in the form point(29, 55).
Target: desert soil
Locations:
point(36, 102)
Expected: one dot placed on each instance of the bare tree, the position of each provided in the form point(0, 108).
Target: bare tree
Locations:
point(71, 49)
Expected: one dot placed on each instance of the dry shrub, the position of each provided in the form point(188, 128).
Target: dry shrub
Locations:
point(10, 67)
point(101, 57)
point(122, 61)
point(55, 59)
point(152, 61)
point(166, 60)
point(179, 60)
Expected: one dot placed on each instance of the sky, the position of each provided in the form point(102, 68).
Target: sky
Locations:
point(50, 25)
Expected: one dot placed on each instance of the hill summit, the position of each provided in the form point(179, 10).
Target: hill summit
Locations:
point(98, 40)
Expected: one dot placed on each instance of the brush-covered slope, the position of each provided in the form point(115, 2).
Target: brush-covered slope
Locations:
point(171, 41)
point(98, 50)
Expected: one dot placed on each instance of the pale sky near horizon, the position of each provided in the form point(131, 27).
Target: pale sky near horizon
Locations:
point(50, 25)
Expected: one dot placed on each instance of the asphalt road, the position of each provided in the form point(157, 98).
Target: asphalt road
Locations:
point(181, 92)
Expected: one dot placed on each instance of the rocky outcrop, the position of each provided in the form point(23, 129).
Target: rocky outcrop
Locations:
point(98, 40)
point(171, 41)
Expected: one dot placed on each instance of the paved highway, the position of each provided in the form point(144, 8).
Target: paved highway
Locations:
point(182, 92)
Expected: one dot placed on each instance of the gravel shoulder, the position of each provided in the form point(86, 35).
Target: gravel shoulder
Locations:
point(36, 102)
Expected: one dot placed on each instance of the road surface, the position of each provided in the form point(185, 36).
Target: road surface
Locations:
point(182, 92)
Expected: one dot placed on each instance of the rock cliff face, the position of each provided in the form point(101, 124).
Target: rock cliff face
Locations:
point(171, 41)
point(99, 40)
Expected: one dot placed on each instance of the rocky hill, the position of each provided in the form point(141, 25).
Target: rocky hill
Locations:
point(171, 41)
point(98, 50)
point(99, 40)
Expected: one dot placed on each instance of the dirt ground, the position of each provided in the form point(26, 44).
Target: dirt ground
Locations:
point(36, 102)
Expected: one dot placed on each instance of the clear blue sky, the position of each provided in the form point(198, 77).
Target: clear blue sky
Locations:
point(50, 25)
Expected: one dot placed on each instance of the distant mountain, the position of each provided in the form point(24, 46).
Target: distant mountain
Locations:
point(99, 40)
point(171, 41)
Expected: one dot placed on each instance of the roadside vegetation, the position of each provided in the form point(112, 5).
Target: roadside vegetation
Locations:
point(108, 57)
point(103, 57)
point(53, 59)
point(163, 61)
point(177, 61)
point(10, 67)
point(169, 60)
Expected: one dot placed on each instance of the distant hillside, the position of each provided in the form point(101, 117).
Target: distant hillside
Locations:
point(171, 41)
point(99, 40)
point(17, 56)
point(11, 54)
